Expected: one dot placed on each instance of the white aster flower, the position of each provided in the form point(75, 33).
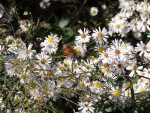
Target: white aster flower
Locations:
point(84, 36)
point(142, 48)
point(145, 24)
point(99, 35)
point(43, 60)
point(93, 11)
point(25, 53)
point(51, 40)
point(86, 107)
point(134, 69)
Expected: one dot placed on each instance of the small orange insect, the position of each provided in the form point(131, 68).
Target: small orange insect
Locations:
point(69, 50)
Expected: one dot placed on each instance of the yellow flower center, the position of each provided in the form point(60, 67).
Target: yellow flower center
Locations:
point(100, 49)
point(43, 61)
point(93, 11)
point(82, 84)
point(32, 85)
point(62, 67)
point(71, 76)
point(62, 85)
point(105, 70)
point(117, 26)
point(106, 55)
point(10, 39)
point(144, 47)
point(42, 72)
point(50, 39)
point(99, 35)
point(142, 90)
point(134, 68)
point(128, 83)
point(74, 66)
point(77, 50)
point(17, 99)
point(116, 93)
point(82, 35)
point(68, 91)
point(97, 84)
point(117, 51)
point(23, 76)
point(27, 51)
point(66, 63)
point(45, 89)
point(86, 105)
point(25, 105)
point(49, 72)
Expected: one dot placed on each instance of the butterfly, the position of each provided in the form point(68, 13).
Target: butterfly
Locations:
point(69, 50)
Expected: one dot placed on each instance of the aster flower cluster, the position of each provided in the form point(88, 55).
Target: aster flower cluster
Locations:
point(91, 74)
point(133, 17)
point(44, 75)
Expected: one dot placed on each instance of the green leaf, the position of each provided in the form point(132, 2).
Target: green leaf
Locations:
point(63, 23)
point(68, 34)
point(108, 109)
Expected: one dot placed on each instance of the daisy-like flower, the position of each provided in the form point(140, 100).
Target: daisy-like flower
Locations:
point(134, 69)
point(142, 85)
point(117, 25)
point(125, 29)
point(116, 48)
point(49, 49)
point(50, 44)
point(119, 66)
point(51, 40)
point(80, 48)
point(13, 67)
point(137, 34)
point(99, 35)
point(116, 94)
point(105, 56)
point(127, 5)
point(25, 77)
point(43, 60)
point(9, 39)
point(93, 11)
point(86, 107)
point(107, 70)
point(84, 36)
point(146, 73)
point(134, 25)
point(68, 93)
point(145, 24)
point(142, 48)
point(100, 48)
point(68, 63)
point(89, 65)
point(36, 94)
point(86, 81)
point(26, 52)
point(96, 87)
point(76, 67)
